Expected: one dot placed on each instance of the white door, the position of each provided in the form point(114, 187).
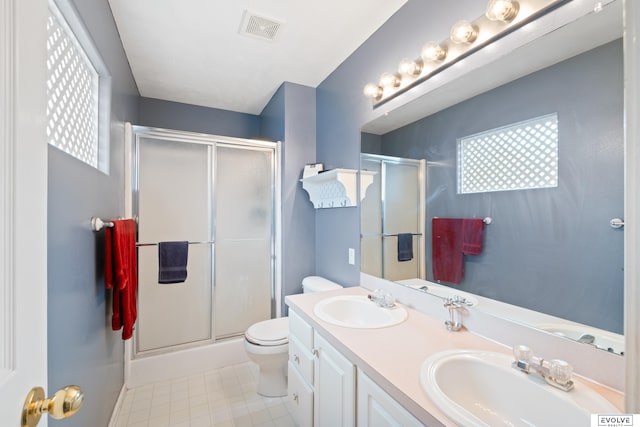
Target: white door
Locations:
point(23, 205)
point(335, 398)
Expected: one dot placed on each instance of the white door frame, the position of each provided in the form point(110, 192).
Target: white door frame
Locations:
point(632, 205)
point(23, 204)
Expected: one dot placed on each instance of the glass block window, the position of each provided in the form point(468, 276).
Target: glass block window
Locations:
point(74, 98)
point(515, 157)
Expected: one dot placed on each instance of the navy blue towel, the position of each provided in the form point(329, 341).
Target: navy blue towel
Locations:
point(405, 247)
point(172, 262)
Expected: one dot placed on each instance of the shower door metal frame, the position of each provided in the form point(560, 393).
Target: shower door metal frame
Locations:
point(212, 141)
point(421, 165)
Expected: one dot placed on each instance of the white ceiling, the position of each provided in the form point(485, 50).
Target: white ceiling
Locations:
point(191, 51)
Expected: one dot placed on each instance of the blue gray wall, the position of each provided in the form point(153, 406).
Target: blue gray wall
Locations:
point(550, 250)
point(290, 117)
point(342, 110)
point(193, 118)
point(82, 348)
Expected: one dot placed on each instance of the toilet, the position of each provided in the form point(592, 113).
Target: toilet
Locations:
point(267, 344)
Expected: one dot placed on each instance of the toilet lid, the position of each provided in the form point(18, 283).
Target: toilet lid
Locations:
point(269, 332)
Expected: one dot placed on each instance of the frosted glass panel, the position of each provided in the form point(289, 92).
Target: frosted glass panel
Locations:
point(243, 285)
point(371, 222)
point(371, 255)
point(395, 270)
point(174, 314)
point(401, 210)
point(401, 215)
point(173, 204)
point(244, 224)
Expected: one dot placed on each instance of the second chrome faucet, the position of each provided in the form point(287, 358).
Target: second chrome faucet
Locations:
point(555, 372)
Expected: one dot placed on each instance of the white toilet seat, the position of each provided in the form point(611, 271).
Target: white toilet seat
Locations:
point(272, 332)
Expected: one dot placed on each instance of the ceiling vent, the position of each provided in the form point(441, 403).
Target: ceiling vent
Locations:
point(260, 27)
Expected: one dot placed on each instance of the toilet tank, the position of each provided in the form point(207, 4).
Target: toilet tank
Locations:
point(318, 284)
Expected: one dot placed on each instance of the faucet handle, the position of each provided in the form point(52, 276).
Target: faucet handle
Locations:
point(523, 353)
point(561, 371)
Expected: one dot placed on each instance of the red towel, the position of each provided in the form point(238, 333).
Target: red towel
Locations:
point(121, 274)
point(452, 238)
point(447, 257)
point(472, 235)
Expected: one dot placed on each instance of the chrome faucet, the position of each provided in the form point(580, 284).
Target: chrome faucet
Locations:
point(455, 317)
point(555, 372)
point(382, 300)
point(586, 339)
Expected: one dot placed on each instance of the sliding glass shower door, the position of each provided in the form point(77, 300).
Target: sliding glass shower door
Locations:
point(220, 197)
point(244, 200)
point(393, 204)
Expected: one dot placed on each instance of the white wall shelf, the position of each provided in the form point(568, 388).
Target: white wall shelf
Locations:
point(336, 188)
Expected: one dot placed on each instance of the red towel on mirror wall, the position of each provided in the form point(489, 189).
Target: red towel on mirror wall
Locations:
point(121, 274)
point(451, 239)
point(472, 236)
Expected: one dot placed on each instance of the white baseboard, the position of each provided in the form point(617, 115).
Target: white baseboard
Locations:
point(116, 409)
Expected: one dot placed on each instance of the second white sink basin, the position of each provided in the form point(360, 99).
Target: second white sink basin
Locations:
point(476, 388)
point(357, 311)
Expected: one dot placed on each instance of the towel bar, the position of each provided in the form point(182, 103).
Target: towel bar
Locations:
point(191, 243)
point(98, 224)
point(487, 220)
point(616, 222)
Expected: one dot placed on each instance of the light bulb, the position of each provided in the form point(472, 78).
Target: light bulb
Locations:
point(409, 67)
point(463, 32)
point(432, 51)
point(373, 91)
point(389, 80)
point(502, 10)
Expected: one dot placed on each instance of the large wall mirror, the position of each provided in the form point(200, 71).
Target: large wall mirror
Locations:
point(549, 250)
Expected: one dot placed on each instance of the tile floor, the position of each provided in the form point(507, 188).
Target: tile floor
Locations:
point(224, 397)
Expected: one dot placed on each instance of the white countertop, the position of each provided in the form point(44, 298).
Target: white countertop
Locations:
point(392, 356)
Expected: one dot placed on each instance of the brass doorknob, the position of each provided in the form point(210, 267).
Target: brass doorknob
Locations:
point(64, 403)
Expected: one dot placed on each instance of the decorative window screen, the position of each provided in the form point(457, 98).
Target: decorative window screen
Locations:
point(72, 93)
point(516, 157)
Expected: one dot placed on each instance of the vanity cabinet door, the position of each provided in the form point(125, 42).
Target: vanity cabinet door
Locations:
point(377, 409)
point(334, 404)
point(302, 395)
point(301, 358)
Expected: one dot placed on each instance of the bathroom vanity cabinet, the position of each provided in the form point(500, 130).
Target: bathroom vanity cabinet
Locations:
point(322, 384)
point(377, 408)
point(321, 380)
point(388, 364)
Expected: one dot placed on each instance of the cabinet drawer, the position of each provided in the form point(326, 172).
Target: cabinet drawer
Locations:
point(301, 330)
point(302, 359)
point(302, 395)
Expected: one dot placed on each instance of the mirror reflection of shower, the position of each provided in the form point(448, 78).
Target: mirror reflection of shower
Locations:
point(392, 222)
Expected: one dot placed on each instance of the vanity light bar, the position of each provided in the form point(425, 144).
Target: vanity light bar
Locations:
point(465, 38)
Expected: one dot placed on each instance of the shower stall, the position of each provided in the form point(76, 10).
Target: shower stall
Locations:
point(393, 204)
point(221, 195)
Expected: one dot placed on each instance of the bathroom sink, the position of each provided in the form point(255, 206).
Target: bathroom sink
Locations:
point(476, 388)
point(601, 339)
point(357, 311)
